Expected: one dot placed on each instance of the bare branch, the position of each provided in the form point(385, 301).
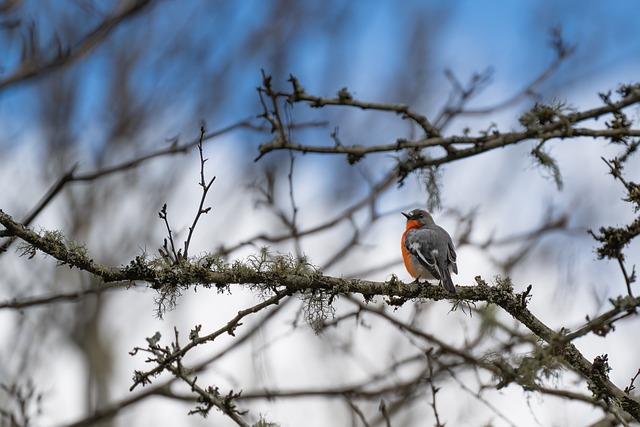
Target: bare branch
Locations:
point(109, 411)
point(563, 51)
point(558, 125)
point(72, 176)
point(346, 99)
point(380, 187)
point(167, 359)
point(205, 189)
point(357, 411)
point(434, 389)
point(22, 303)
point(64, 57)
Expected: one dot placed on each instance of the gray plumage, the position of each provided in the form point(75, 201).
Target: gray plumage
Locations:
point(431, 249)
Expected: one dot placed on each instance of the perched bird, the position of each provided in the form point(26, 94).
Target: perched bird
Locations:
point(427, 250)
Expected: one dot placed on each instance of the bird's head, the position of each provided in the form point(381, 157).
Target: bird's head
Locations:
point(418, 218)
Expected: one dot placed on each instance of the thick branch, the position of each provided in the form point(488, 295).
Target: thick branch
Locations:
point(457, 147)
point(286, 280)
point(346, 99)
point(481, 143)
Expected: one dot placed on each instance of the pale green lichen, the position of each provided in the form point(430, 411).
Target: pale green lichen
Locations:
point(318, 307)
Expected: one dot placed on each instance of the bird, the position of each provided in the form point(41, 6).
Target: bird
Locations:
point(427, 250)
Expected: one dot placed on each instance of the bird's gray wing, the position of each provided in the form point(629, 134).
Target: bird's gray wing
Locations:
point(452, 256)
point(434, 250)
point(424, 244)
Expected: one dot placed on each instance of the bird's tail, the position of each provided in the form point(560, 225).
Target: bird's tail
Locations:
point(447, 283)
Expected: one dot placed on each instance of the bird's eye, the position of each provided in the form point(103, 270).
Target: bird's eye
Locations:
point(420, 215)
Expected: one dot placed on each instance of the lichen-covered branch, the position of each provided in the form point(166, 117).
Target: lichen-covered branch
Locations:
point(284, 276)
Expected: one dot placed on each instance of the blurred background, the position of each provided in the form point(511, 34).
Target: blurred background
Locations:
point(152, 79)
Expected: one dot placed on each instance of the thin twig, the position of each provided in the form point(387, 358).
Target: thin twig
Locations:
point(434, 389)
point(478, 396)
point(294, 208)
point(346, 99)
point(627, 279)
point(205, 189)
point(229, 328)
point(356, 410)
point(628, 389)
point(380, 187)
point(168, 249)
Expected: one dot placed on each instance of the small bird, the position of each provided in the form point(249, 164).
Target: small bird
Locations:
point(427, 250)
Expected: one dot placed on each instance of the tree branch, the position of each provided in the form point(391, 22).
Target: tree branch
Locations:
point(22, 303)
point(32, 68)
point(557, 125)
point(285, 277)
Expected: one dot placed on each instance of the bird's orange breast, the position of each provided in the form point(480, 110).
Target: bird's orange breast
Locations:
point(406, 256)
point(412, 223)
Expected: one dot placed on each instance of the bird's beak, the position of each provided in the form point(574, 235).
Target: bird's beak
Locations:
point(406, 215)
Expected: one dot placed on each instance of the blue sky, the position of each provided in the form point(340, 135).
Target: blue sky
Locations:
point(363, 45)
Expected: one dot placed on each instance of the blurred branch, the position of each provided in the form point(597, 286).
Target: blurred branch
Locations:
point(22, 303)
point(527, 241)
point(111, 410)
point(294, 208)
point(604, 323)
point(380, 187)
point(46, 199)
point(174, 148)
point(21, 403)
point(166, 357)
point(33, 64)
point(72, 176)
point(478, 396)
point(340, 253)
point(7, 5)
point(357, 411)
point(503, 371)
point(460, 95)
point(374, 387)
point(266, 189)
point(358, 391)
point(432, 386)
